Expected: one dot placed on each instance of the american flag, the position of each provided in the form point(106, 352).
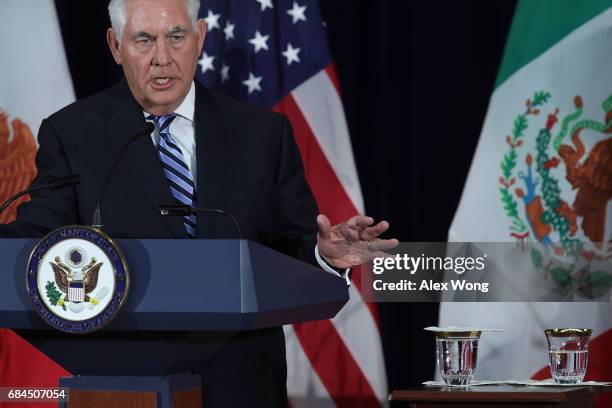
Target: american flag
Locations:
point(274, 53)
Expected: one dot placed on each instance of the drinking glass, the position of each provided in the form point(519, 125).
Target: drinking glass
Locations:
point(568, 351)
point(457, 353)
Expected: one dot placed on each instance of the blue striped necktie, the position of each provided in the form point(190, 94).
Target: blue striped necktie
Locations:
point(176, 170)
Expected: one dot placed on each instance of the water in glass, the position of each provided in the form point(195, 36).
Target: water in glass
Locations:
point(568, 366)
point(457, 359)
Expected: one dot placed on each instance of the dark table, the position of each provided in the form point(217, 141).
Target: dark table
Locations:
point(497, 396)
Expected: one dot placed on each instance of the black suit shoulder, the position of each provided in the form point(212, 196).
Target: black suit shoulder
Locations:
point(251, 126)
point(246, 110)
point(94, 109)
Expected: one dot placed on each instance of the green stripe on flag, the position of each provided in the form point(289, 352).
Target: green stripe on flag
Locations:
point(540, 24)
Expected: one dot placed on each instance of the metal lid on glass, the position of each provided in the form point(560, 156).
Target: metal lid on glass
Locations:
point(564, 332)
point(454, 332)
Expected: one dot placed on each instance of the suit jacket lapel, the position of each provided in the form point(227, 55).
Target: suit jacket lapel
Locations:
point(141, 157)
point(213, 155)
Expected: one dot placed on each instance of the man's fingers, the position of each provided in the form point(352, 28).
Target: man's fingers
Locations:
point(356, 230)
point(381, 245)
point(351, 234)
point(324, 226)
point(374, 232)
point(359, 222)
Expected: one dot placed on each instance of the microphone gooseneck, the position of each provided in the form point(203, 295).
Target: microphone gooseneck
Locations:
point(55, 184)
point(97, 215)
point(183, 210)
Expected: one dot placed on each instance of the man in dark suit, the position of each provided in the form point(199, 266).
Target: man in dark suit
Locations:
point(207, 151)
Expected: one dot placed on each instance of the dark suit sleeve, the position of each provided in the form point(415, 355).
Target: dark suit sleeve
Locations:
point(46, 210)
point(296, 226)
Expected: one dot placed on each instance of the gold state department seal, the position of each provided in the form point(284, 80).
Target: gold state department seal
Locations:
point(77, 279)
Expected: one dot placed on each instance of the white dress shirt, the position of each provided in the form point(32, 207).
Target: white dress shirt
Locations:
point(183, 132)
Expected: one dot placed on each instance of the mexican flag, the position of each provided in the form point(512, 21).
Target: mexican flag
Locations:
point(34, 82)
point(542, 172)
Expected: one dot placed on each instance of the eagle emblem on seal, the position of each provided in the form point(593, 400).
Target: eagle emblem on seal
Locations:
point(74, 280)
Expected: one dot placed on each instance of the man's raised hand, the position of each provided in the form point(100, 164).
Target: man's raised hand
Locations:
point(352, 242)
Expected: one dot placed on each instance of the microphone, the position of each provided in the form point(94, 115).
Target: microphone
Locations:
point(183, 210)
point(56, 184)
point(97, 215)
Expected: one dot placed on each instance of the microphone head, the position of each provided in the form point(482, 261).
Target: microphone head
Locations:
point(174, 210)
point(147, 130)
point(149, 127)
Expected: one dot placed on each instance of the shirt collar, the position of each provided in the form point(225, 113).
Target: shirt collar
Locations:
point(187, 108)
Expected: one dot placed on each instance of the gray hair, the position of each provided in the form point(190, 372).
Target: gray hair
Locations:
point(118, 18)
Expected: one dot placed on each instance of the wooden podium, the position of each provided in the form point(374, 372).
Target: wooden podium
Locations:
point(497, 396)
point(176, 391)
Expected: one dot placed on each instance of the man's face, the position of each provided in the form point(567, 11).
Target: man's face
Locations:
point(159, 52)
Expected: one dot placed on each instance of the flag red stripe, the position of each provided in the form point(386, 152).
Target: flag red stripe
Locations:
point(328, 354)
point(599, 367)
point(331, 197)
point(332, 73)
point(335, 365)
